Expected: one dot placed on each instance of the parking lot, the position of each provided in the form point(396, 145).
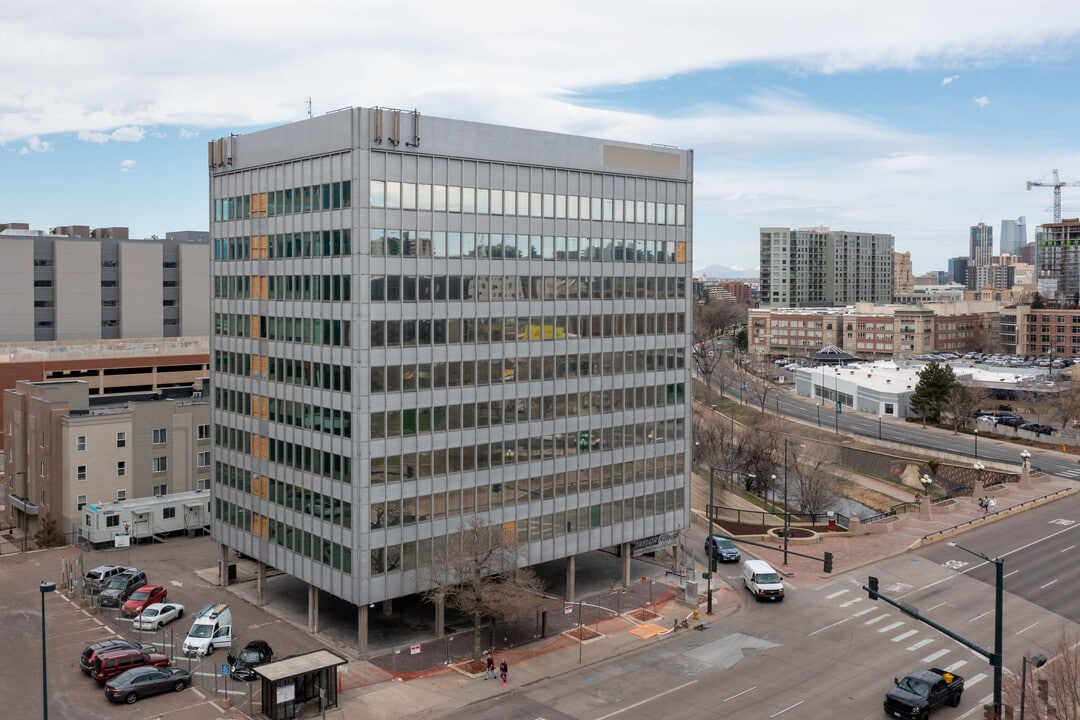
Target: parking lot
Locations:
point(72, 624)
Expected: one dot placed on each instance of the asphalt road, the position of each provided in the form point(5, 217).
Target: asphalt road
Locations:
point(827, 650)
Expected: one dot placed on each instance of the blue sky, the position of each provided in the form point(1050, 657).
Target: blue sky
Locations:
point(917, 120)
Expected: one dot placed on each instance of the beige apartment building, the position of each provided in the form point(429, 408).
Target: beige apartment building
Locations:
point(65, 449)
point(871, 331)
point(903, 278)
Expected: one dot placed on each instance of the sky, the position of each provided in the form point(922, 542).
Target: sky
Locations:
point(917, 119)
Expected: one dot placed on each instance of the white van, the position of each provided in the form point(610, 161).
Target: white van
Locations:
point(762, 581)
point(211, 629)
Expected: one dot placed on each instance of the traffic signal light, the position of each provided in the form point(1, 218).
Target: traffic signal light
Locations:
point(828, 562)
point(873, 585)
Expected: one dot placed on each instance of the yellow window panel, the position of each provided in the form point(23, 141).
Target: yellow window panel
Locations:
point(680, 252)
point(254, 326)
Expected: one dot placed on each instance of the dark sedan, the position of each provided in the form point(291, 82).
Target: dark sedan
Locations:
point(1039, 429)
point(255, 653)
point(141, 682)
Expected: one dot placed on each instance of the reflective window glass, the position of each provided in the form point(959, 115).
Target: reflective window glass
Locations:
point(377, 194)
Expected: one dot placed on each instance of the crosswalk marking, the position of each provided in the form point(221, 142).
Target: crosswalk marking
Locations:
point(838, 593)
point(956, 665)
point(974, 679)
point(934, 656)
point(890, 626)
point(904, 636)
point(851, 602)
point(864, 611)
point(877, 619)
point(922, 643)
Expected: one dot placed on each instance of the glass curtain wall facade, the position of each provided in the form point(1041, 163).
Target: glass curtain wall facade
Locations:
point(469, 321)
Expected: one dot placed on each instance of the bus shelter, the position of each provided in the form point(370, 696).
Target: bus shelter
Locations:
point(290, 683)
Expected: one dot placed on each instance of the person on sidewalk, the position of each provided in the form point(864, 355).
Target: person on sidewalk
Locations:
point(504, 670)
point(489, 669)
point(991, 505)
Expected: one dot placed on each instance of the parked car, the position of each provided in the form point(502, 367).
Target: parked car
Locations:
point(87, 660)
point(142, 598)
point(1039, 429)
point(255, 653)
point(158, 615)
point(120, 588)
point(141, 682)
point(100, 576)
point(1014, 421)
point(110, 664)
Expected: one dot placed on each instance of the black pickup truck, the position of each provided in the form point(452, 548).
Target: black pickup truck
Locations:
point(922, 691)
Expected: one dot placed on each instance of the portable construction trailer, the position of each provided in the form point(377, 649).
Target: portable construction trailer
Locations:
point(150, 517)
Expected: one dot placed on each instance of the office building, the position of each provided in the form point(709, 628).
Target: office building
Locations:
point(813, 267)
point(418, 321)
point(981, 246)
point(75, 283)
point(68, 449)
point(1013, 236)
point(903, 278)
point(958, 269)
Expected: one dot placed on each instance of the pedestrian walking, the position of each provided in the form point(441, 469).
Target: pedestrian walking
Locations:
point(991, 505)
point(504, 670)
point(489, 669)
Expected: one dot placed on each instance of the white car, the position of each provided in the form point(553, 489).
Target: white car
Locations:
point(158, 615)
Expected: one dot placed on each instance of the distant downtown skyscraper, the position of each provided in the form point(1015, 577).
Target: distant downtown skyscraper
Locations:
point(1013, 236)
point(982, 244)
point(419, 322)
point(819, 267)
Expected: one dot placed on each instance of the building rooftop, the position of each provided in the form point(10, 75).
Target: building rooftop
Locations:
point(126, 347)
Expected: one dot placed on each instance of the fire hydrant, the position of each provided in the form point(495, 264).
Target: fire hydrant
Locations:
point(695, 613)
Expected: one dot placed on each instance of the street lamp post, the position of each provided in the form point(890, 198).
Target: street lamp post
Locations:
point(879, 427)
point(979, 467)
point(45, 587)
point(927, 481)
point(1036, 661)
point(999, 603)
point(976, 433)
point(712, 548)
point(1025, 458)
point(772, 489)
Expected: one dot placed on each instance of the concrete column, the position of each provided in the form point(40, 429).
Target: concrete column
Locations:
point(1025, 476)
point(571, 566)
point(260, 582)
point(925, 508)
point(977, 490)
point(440, 617)
point(312, 609)
point(675, 558)
point(387, 607)
point(361, 628)
point(223, 564)
point(626, 550)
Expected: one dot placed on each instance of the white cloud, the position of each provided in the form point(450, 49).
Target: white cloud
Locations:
point(950, 80)
point(127, 166)
point(36, 144)
point(188, 133)
point(982, 101)
point(122, 134)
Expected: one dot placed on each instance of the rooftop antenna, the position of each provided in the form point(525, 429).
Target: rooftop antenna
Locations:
point(309, 107)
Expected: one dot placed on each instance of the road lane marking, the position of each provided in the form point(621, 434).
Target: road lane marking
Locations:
point(832, 625)
point(980, 616)
point(646, 700)
point(904, 636)
point(732, 697)
point(890, 626)
point(1027, 628)
point(922, 643)
point(1010, 574)
point(1067, 549)
point(934, 656)
point(838, 593)
point(789, 707)
point(1043, 587)
point(935, 607)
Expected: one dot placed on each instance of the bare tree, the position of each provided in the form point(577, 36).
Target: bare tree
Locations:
point(960, 403)
point(760, 452)
point(759, 390)
point(480, 573)
point(814, 489)
point(713, 320)
point(714, 441)
point(1053, 691)
point(1065, 403)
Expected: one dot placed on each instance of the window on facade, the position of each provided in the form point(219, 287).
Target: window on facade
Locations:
point(121, 468)
point(80, 443)
point(204, 432)
point(168, 513)
point(162, 489)
point(202, 484)
point(80, 502)
point(121, 439)
point(160, 464)
point(203, 459)
point(160, 436)
point(121, 495)
point(113, 520)
point(80, 472)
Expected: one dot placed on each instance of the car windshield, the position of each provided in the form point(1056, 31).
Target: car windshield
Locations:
point(250, 656)
point(764, 578)
point(117, 584)
point(919, 687)
point(150, 612)
point(140, 595)
point(201, 631)
point(724, 544)
point(125, 677)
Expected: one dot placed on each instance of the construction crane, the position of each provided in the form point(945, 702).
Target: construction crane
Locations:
point(1057, 185)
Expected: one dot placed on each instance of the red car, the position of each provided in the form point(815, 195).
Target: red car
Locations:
point(146, 595)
